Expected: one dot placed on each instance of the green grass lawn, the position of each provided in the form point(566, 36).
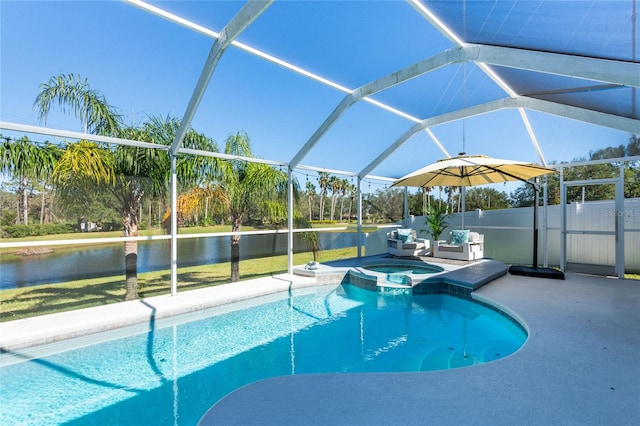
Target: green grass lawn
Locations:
point(51, 298)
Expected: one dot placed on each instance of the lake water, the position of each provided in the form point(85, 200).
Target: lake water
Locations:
point(90, 262)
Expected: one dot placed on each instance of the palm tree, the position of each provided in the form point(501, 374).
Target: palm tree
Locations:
point(334, 184)
point(127, 172)
point(27, 161)
point(344, 184)
point(192, 203)
point(323, 182)
point(49, 159)
point(237, 187)
point(426, 199)
point(352, 191)
point(249, 184)
point(310, 193)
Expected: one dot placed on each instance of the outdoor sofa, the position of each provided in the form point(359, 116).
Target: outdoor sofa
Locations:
point(404, 242)
point(462, 245)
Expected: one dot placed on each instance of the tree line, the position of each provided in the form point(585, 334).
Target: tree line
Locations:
point(330, 199)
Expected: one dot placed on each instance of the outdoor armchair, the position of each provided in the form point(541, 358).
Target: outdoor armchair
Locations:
point(404, 242)
point(462, 245)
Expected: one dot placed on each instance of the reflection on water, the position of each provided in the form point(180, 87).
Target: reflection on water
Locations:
point(107, 260)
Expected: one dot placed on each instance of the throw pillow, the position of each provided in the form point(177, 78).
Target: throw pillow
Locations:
point(405, 236)
point(459, 236)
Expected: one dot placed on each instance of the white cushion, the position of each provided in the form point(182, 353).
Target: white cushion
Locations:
point(474, 237)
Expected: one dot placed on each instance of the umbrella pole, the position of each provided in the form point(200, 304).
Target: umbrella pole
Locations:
point(535, 224)
point(464, 204)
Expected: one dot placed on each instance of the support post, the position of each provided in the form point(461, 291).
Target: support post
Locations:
point(290, 221)
point(619, 222)
point(563, 222)
point(535, 224)
point(545, 223)
point(405, 211)
point(174, 226)
point(359, 207)
point(464, 204)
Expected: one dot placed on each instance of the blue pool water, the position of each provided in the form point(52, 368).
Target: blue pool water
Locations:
point(171, 371)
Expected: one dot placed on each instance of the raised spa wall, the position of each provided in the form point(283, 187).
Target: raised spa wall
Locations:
point(461, 282)
point(433, 285)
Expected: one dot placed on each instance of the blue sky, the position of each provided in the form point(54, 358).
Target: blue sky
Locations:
point(145, 65)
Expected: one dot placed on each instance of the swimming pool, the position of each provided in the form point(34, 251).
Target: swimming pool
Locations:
point(176, 369)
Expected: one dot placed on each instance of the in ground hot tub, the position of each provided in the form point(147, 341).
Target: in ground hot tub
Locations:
point(393, 274)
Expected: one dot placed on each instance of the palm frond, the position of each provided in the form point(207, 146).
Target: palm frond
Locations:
point(73, 94)
point(192, 203)
point(25, 158)
point(86, 159)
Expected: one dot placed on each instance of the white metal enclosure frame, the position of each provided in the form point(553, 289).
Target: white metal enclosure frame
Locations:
point(618, 215)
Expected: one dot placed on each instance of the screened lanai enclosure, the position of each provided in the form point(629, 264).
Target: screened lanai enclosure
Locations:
point(233, 109)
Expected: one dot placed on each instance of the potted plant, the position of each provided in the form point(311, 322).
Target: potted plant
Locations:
point(311, 239)
point(436, 221)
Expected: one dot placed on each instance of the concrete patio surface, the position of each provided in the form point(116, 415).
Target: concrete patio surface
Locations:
point(579, 366)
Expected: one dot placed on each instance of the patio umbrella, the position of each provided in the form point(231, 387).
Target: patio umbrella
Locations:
point(471, 170)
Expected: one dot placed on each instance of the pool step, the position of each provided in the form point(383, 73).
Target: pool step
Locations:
point(394, 289)
point(393, 285)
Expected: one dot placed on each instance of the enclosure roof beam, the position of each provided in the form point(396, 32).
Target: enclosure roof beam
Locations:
point(595, 162)
point(623, 73)
point(575, 66)
point(249, 13)
point(434, 121)
point(567, 111)
point(607, 71)
point(595, 69)
point(612, 121)
point(68, 134)
point(224, 156)
point(425, 66)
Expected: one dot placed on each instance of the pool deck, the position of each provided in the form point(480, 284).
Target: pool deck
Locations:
point(580, 365)
point(20, 335)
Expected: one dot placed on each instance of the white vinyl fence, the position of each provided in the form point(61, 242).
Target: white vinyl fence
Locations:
point(508, 234)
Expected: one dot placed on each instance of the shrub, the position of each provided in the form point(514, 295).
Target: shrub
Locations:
point(17, 231)
point(37, 230)
point(8, 217)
